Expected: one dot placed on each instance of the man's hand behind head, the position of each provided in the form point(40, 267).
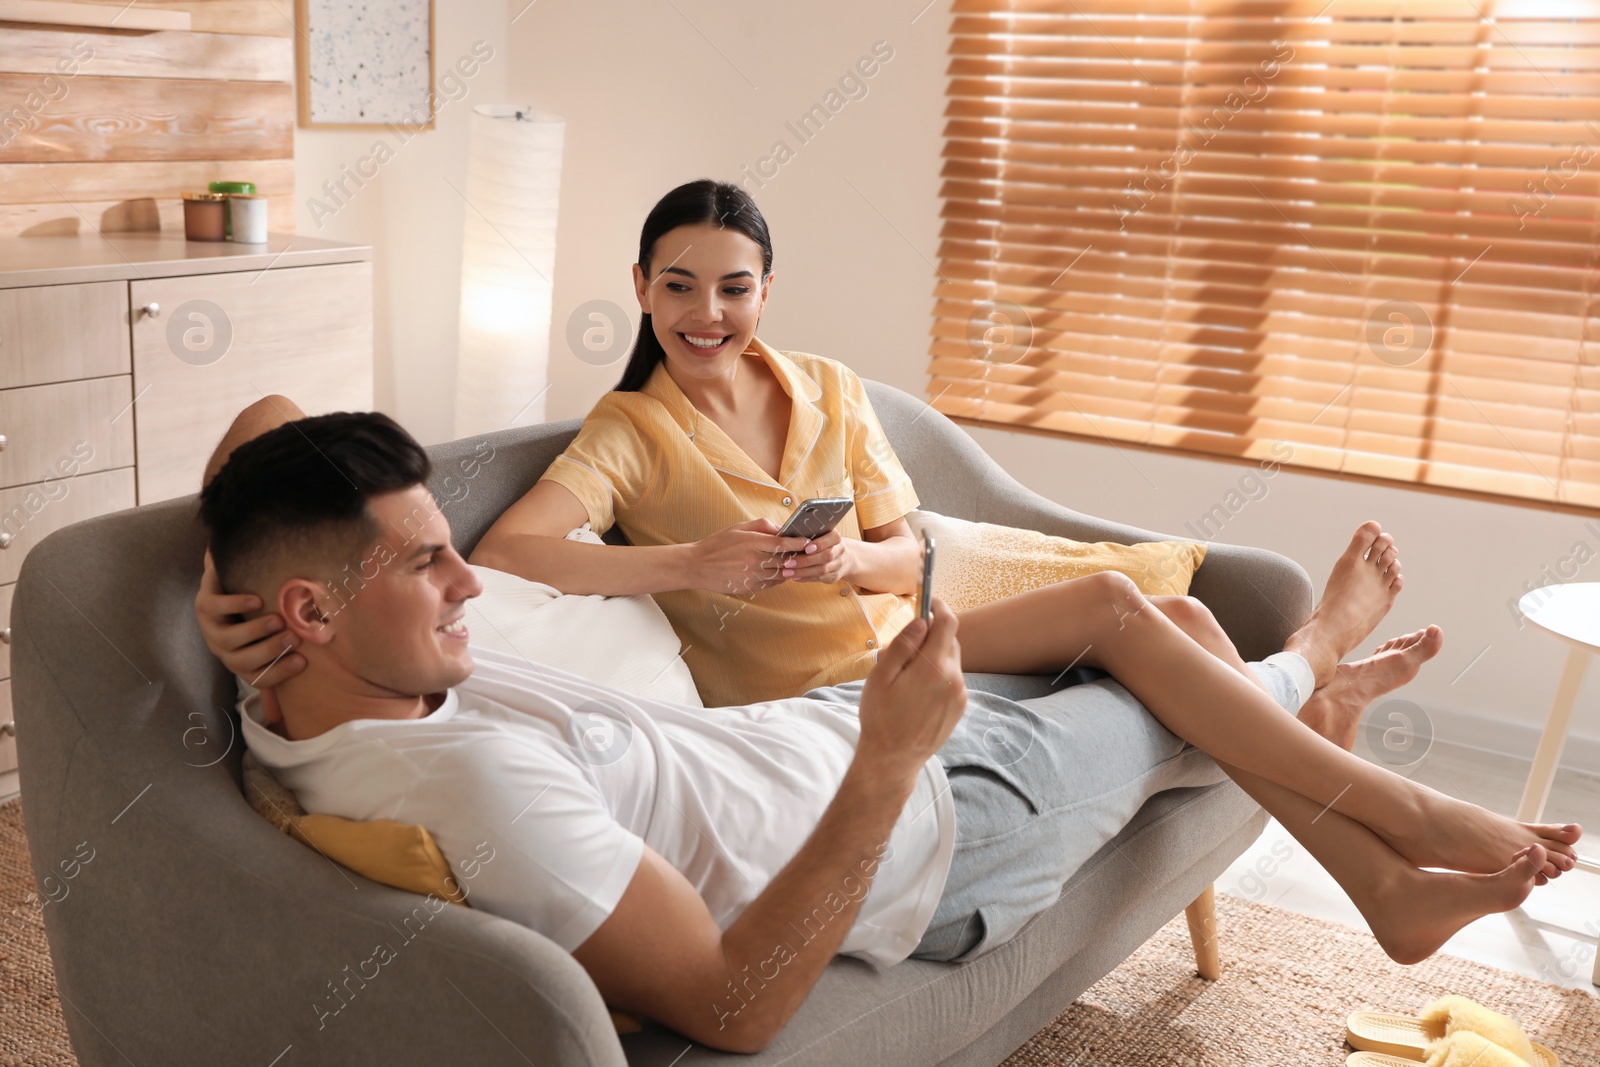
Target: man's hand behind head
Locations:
point(915, 695)
point(254, 649)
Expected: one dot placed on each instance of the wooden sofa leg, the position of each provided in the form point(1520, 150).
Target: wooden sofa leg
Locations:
point(1202, 916)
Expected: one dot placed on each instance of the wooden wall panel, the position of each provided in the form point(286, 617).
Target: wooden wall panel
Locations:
point(152, 118)
point(144, 116)
point(68, 13)
point(237, 57)
point(272, 18)
point(44, 183)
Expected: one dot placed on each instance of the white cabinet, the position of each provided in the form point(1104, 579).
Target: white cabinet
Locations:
point(123, 358)
point(214, 343)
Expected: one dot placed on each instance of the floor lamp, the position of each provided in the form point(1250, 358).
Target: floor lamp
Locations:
point(508, 258)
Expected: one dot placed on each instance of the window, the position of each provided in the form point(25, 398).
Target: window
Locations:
point(1366, 230)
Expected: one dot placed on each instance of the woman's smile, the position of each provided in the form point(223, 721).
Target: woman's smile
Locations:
point(706, 344)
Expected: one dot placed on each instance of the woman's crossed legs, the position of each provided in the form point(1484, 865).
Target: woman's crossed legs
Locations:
point(1372, 829)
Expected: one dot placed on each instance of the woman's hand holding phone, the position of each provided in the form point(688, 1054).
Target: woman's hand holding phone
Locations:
point(825, 559)
point(743, 558)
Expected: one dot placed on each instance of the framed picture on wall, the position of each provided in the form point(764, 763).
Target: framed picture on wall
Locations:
point(365, 64)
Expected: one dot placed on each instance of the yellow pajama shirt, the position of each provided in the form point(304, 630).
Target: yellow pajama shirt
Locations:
point(650, 463)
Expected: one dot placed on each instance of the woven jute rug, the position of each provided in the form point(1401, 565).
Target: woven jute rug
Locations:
point(32, 1031)
point(1287, 984)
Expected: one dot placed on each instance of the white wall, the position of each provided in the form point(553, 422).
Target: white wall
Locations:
point(396, 196)
point(658, 94)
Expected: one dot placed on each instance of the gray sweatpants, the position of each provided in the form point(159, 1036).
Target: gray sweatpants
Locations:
point(1042, 778)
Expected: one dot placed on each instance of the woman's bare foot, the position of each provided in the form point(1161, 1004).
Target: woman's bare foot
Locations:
point(1360, 591)
point(1335, 710)
point(1453, 834)
point(1417, 912)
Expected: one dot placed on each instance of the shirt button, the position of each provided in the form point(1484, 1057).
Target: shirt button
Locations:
point(844, 590)
point(788, 500)
point(872, 642)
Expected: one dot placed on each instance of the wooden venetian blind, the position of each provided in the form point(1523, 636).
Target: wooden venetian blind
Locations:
point(1356, 236)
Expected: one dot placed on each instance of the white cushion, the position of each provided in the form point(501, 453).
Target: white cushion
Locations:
point(625, 642)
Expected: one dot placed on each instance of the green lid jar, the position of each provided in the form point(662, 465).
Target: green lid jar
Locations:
point(231, 187)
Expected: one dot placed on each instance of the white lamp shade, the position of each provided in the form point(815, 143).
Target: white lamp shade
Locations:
point(508, 260)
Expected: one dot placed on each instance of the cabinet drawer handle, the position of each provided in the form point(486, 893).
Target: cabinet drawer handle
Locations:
point(5, 540)
point(5, 636)
point(153, 309)
point(8, 729)
point(3, 442)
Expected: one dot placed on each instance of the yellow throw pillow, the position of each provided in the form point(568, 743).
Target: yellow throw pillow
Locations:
point(398, 854)
point(402, 855)
point(977, 562)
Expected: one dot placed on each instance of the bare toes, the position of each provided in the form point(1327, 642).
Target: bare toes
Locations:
point(1558, 844)
point(1536, 859)
point(1365, 535)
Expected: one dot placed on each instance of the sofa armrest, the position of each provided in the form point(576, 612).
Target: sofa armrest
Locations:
point(198, 932)
point(1259, 596)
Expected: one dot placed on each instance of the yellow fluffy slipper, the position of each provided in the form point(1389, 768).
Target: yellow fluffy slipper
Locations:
point(1413, 1037)
point(1467, 1049)
point(1461, 1049)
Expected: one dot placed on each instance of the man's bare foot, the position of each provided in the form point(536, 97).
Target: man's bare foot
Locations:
point(1453, 834)
point(1415, 914)
point(1335, 710)
point(1360, 591)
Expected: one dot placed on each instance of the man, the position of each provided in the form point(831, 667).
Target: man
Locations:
point(709, 869)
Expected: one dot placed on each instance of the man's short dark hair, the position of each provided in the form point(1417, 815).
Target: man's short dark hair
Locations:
point(299, 492)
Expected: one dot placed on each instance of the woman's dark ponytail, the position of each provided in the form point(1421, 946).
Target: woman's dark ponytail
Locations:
point(702, 202)
point(647, 352)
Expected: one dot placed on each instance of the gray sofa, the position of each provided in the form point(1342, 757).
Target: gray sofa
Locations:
point(199, 934)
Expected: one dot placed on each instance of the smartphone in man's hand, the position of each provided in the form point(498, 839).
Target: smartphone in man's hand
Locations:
point(925, 594)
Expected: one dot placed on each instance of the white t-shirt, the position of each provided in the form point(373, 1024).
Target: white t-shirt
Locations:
point(567, 780)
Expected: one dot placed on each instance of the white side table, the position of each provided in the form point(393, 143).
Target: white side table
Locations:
point(1572, 613)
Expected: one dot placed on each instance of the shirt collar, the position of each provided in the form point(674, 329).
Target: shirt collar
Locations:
point(275, 750)
point(805, 420)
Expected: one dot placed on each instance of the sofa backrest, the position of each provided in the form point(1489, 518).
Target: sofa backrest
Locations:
point(948, 469)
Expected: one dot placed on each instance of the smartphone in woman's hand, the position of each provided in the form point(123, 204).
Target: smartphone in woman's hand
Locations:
point(816, 516)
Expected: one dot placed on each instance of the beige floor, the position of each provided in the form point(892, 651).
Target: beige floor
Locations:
point(1552, 937)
